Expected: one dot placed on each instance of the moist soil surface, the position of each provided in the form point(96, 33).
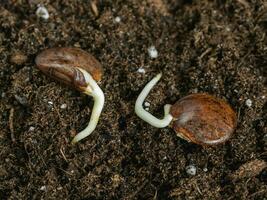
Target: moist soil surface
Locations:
point(217, 47)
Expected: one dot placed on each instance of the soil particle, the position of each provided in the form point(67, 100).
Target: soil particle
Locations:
point(18, 58)
point(249, 169)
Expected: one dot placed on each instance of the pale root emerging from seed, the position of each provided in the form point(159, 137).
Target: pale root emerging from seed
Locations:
point(95, 91)
point(146, 116)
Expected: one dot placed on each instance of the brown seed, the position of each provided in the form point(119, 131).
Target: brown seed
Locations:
point(203, 119)
point(62, 63)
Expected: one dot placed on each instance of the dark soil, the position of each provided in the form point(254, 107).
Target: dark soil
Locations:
point(218, 47)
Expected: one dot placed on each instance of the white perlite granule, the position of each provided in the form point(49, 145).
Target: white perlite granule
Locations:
point(42, 12)
point(248, 103)
point(191, 170)
point(152, 51)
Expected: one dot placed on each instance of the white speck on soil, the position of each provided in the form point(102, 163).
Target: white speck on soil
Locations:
point(152, 51)
point(31, 128)
point(248, 103)
point(43, 188)
point(141, 70)
point(147, 104)
point(117, 19)
point(42, 12)
point(228, 29)
point(63, 106)
point(191, 170)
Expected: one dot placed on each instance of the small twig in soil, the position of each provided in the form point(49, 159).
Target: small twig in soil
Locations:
point(156, 195)
point(205, 53)
point(238, 113)
point(64, 171)
point(94, 8)
point(199, 191)
point(244, 3)
point(11, 124)
point(137, 190)
point(63, 155)
point(242, 60)
point(59, 117)
point(249, 169)
point(256, 193)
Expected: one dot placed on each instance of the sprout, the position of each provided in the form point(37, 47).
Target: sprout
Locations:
point(146, 116)
point(95, 91)
point(80, 70)
point(199, 118)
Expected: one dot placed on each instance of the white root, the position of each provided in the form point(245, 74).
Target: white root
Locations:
point(95, 91)
point(146, 116)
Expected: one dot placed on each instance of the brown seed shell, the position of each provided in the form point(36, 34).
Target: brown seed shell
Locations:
point(61, 63)
point(203, 119)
